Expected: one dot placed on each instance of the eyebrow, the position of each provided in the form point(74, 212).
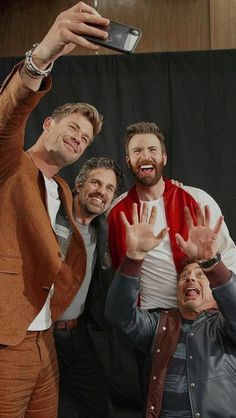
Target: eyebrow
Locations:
point(142, 147)
point(100, 181)
point(111, 185)
point(186, 271)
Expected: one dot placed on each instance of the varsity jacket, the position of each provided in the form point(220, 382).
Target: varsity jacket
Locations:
point(175, 199)
point(210, 345)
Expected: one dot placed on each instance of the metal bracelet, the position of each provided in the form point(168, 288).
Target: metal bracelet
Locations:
point(31, 68)
point(205, 264)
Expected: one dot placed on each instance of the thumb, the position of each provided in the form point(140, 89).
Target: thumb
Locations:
point(161, 235)
point(180, 242)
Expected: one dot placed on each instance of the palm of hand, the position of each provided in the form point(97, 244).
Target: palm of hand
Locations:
point(140, 237)
point(200, 243)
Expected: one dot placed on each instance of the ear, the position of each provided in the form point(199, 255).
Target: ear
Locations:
point(127, 161)
point(78, 186)
point(47, 124)
point(165, 158)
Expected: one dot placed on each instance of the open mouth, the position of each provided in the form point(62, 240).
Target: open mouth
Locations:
point(146, 169)
point(191, 291)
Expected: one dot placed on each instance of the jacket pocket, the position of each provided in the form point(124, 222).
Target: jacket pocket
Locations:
point(10, 265)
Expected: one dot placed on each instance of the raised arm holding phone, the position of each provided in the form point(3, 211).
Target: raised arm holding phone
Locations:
point(66, 33)
point(37, 282)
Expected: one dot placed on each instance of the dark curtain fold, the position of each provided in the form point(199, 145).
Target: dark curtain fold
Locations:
point(190, 95)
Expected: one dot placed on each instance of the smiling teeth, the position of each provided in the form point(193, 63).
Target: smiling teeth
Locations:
point(146, 166)
point(99, 200)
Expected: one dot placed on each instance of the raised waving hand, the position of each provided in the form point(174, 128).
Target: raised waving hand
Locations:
point(201, 242)
point(140, 238)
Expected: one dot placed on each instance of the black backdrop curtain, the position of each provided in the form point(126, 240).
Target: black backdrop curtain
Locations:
point(190, 95)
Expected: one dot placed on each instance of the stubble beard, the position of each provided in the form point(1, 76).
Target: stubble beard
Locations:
point(89, 209)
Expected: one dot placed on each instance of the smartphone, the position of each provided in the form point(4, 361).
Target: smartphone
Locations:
point(121, 37)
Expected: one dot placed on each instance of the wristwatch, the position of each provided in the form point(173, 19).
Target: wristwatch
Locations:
point(206, 264)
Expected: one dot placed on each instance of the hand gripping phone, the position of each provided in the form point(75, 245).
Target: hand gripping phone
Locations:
point(121, 37)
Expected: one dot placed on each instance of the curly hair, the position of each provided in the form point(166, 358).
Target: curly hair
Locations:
point(100, 162)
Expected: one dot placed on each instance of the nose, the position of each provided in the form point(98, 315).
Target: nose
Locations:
point(101, 189)
point(145, 154)
point(77, 139)
point(191, 277)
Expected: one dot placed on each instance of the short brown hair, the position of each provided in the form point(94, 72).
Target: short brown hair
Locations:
point(143, 128)
point(85, 109)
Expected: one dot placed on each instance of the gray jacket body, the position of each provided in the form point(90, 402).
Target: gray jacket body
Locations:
point(210, 347)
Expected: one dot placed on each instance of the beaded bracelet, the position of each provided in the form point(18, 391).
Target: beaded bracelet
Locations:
point(31, 68)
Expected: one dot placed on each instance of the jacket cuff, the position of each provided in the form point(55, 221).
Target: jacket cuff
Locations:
point(218, 275)
point(130, 267)
point(44, 87)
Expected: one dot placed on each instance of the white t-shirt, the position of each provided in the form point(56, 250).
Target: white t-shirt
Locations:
point(158, 275)
point(43, 320)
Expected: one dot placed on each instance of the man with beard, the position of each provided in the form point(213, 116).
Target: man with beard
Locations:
point(81, 375)
point(146, 157)
point(191, 350)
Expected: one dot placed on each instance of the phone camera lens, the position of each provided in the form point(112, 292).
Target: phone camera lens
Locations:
point(134, 31)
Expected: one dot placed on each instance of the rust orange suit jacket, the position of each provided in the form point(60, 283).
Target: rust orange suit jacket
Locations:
point(30, 258)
